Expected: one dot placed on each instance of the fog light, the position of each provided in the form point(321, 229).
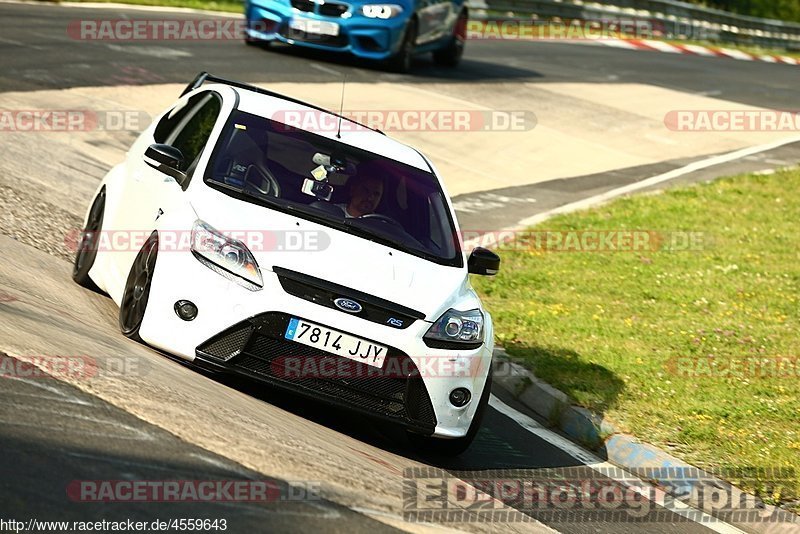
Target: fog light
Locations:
point(459, 397)
point(186, 310)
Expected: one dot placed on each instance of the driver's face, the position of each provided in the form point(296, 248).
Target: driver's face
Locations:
point(365, 197)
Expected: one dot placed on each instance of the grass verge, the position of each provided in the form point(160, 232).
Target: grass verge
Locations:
point(693, 349)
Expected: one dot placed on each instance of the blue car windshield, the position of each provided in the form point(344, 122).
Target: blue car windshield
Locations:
point(281, 167)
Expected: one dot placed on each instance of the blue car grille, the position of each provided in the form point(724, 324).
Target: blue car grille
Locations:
point(328, 9)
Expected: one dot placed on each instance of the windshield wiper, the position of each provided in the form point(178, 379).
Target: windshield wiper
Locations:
point(353, 224)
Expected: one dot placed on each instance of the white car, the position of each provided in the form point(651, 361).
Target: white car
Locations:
point(326, 262)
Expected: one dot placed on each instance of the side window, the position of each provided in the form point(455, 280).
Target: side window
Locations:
point(191, 137)
point(189, 128)
point(171, 120)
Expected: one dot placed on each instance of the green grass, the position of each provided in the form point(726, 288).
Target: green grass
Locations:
point(230, 6)
point(606, 327)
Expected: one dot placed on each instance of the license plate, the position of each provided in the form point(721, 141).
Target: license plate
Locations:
point(320, 27)
point(335, 342)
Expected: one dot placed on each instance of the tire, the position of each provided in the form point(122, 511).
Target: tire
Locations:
point(427, 445)
point(137, 289)
point(401, 61)
point(450, 56)
point(86, 251)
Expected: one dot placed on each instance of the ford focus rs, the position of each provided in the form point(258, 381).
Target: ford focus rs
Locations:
point(322, 262)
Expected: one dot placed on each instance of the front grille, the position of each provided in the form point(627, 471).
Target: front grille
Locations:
point(258, 348)
point(329, 9)
point(333, 9)
point(303, 5)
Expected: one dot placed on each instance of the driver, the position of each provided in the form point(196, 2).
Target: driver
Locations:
point(365, 195)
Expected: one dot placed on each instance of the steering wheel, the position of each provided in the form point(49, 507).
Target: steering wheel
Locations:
point(383, 218)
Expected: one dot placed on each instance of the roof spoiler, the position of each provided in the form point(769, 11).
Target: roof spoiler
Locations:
point(205, 77)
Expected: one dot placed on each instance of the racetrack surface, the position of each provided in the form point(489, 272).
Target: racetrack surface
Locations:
point(162, 420)
point(39, 54)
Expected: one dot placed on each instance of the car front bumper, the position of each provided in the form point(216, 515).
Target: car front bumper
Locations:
point(242, 331)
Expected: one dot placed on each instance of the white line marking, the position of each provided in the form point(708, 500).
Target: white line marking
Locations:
point(618, 43)
point(713, 92)
point(736, 54)
point(222, 465)
point(325, 69)
point(604, 468)
point(11, 41)
point(39, 384)
point(47, 398)
point(51, 37)
point(608, 195)
point(128, 463)
point(662, 46)
point(654, 180)
point(699, 50)
point(159, 52)
point(109, 423)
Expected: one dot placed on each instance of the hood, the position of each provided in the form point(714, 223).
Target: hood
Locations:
point(323, 252)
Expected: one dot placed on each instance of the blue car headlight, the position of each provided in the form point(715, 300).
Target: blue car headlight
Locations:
point(381, 11)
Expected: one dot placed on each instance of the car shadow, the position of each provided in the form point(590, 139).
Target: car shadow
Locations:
point(502, 442)
point(423, 68)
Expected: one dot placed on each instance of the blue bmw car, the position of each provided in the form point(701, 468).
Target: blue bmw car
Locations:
point(391, 32)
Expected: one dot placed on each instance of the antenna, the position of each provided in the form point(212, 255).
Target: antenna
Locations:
point(341, 109)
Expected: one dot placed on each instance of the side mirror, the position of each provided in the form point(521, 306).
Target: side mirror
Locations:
point(483, 261)
point(167, 159)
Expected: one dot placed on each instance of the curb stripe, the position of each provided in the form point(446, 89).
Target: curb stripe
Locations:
point(696, 50)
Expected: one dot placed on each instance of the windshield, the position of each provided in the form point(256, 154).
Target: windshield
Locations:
point(281, 167)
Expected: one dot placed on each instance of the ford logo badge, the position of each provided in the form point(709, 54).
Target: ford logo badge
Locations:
point(347, 305)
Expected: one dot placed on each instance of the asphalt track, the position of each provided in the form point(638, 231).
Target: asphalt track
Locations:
point(38, 53)
point(53, 433)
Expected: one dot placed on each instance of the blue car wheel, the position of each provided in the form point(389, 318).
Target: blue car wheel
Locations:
point(401, 61)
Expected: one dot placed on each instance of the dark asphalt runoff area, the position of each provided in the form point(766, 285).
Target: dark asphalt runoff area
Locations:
point(52, 434)
point(39, 53)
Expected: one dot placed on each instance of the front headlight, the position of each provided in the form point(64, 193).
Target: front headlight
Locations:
point(381, 11)
point(230, 255)
point(456, 330)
